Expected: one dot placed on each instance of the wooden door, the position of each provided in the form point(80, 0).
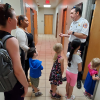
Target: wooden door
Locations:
point(29, 28)
point(28, 15)
point(35, 27)
point(93, 50)
point(56, 25)
point(48, 24)
point(64, 24)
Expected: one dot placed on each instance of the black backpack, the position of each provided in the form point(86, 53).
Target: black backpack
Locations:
point(7, 77)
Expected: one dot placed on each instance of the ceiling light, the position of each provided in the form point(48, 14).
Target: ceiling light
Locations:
point(47, 5)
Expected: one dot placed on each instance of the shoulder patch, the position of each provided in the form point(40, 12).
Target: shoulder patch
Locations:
point(85, 25)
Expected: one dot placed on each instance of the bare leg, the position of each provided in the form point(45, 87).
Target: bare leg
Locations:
point(54, 88)
point(35, 89)
point(67, 87)
point(51, 86)
point(70, 91)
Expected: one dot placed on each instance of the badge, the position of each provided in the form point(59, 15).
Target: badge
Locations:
point(85, 25)
point(79, 24)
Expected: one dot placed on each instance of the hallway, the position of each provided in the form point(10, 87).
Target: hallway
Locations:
point(46, 53)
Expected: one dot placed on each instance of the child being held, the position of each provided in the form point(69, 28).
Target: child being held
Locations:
point(91, 78)
point(35, 70)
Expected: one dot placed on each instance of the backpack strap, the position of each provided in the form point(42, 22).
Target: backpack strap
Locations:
point(3, 40)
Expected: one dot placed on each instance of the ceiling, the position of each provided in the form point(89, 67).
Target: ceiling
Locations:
point(53, 3)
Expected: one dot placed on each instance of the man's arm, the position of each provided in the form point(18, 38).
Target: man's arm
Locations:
point(79, 35)
point(64, 35)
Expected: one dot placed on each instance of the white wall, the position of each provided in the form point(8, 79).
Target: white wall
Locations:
point(31, 3)
point(17, 7)
point(59, 9)
point(41, 12)
point(15, 4)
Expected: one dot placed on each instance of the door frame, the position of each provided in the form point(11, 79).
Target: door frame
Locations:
point(32, 21)
point(63, 23)
point(87, 40)
point(44, 22)
point(56, 25)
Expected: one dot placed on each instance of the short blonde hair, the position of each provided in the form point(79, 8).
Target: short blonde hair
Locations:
point(95, 62)
point(57, 48)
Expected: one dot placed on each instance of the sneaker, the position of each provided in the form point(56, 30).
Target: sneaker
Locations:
point(56, 96)
point(37, 94)
point(34, 91)
point(79, 84)
point(72, 98)
point(89, 96)
point(64, 79)
point(85, 94)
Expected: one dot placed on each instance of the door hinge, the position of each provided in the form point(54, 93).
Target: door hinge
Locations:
point(93, 6)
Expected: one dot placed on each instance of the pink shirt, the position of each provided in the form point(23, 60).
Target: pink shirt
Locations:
point(92, 71)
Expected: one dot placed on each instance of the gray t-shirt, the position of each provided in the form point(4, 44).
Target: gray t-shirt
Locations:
point(76, 59)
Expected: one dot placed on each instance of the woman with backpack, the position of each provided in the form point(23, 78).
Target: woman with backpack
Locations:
point(8, 22)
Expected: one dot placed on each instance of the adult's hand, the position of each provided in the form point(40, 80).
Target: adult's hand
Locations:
point(61, 34)
point(69, 32)
point(25, 91)
point(64, 35)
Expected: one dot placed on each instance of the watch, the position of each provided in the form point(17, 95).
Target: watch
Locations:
point(73, 33)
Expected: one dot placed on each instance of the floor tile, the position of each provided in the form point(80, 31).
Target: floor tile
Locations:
point(29, 93)
point(42, 83)
point(38, 98)
point(26, 98)
point(48, 71)
point(43, 77)
point(49, 66)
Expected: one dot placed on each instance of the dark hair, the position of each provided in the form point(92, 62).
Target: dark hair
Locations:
point(5, 12)
point(77, 9)
point(21, 17)
point(31, 52)
point(74, 45)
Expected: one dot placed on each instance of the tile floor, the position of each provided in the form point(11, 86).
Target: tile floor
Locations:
point(46, 53)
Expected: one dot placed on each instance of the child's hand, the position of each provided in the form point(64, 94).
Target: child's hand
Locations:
point(97, 78)
point(79, 52)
